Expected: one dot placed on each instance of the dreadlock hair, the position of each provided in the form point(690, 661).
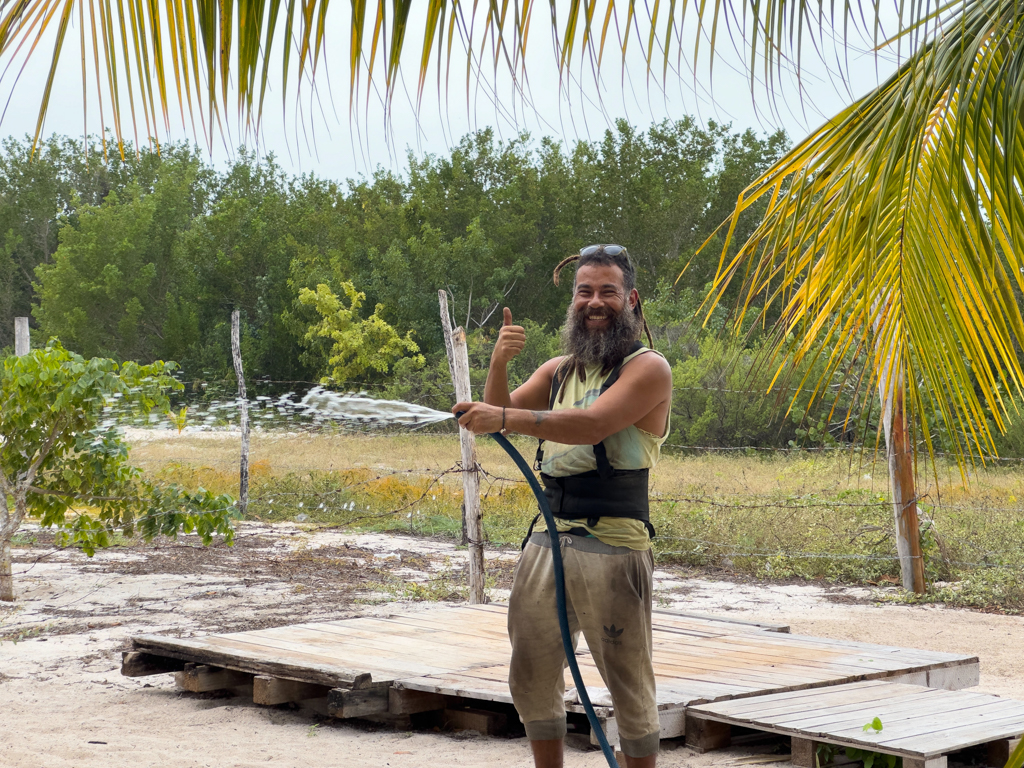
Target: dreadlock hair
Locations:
point(600, 255)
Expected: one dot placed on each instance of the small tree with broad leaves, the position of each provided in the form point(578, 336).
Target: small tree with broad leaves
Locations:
point(63, 461)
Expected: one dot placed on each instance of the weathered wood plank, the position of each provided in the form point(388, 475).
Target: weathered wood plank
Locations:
point(480, 720)
point(803, 700)
point(917, 706)
point(672, 722)
point(460, 685)
point(137, 664)
point(291, 667)
point(345, 702)
point(659, 613)
point(406, 701)
point(610, 726)
point(978, 729)
point(380, 664)
point(200, 678)
point(803, 752)
point(704, 735)
point(268, 690)
point(933, 762)
point(999, 751)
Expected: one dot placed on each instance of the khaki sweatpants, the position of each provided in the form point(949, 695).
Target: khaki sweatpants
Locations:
point(608, 598)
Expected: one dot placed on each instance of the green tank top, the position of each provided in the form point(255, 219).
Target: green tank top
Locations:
point(630, 448)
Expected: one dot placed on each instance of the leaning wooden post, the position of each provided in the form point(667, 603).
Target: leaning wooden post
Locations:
point(458, 362)
point(21, 342)
point(243, 408)
point(900, 456)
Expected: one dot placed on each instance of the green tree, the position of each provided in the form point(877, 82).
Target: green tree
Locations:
point(360, 350)
point(63, 461)
point(42, 189)
point(111, 285)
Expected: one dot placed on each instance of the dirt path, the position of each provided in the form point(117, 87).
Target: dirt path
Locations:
point(64, 703)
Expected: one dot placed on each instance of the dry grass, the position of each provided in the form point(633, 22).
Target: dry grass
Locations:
point(776, 515)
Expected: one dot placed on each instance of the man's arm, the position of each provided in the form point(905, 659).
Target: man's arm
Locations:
point(534, 393)
point(644, 387)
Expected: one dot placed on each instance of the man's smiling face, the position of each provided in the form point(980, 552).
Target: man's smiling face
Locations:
point(601, 324)
point(599, 295)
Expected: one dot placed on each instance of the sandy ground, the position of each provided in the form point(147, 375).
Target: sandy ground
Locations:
point(63, 702)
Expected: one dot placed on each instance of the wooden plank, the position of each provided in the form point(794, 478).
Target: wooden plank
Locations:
point(778, 665)
point(200, 678)
point(245, 649)
point(188, 650)
point(406, 701)
point(869, 651)
point(803, 752)
point(398, 624)
point(999, 751)
point(828, 659)
point(458, 685)
point(380, 662)
point(610, 726)
point(672, 722)
point(480, 720)
point(345, 702)
point(137, 664)
point(976, 730)
point(704, 617)
point(916, 704)
point(954, 678)
point(380, 636)
point(907, 726)
point(778, 710)
point(448, 648)
point(276, 690)
point(703, 735)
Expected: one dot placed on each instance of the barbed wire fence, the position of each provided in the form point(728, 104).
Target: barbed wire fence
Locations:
point(747, 530)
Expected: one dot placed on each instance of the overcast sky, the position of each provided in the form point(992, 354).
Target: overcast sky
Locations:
point(318, 135)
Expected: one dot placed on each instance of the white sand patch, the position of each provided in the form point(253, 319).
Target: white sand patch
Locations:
point(60, 686)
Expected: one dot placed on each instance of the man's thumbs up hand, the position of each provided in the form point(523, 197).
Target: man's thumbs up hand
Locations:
point(511, 340)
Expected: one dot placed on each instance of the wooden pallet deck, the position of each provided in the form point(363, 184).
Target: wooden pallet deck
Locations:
point(425, 658)
point(921, 725)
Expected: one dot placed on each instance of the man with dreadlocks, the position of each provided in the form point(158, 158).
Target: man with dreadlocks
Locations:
point(601, 413)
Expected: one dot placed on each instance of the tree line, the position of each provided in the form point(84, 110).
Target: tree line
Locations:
point(143, 258)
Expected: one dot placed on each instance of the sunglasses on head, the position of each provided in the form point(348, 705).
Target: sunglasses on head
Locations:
point(611, 250)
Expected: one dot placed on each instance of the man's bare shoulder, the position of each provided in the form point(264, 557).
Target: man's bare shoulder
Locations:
point(650, 366)
point(550, 366)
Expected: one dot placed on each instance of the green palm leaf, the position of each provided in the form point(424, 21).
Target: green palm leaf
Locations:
point(216, 51)
point(895, 229)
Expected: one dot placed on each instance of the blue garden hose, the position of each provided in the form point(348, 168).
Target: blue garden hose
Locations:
point(563, 619)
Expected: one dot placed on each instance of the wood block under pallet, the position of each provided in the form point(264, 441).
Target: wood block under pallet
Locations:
point(200, 678)
point(704, 735)
point(480, 720)
point(346, 702)
point(136, 664)
point(275, 690)
point(404, 701)
point(999, 751)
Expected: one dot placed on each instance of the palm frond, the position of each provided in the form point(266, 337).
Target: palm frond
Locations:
point(895, 228)
point(207, 53)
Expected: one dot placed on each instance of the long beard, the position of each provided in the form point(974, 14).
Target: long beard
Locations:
point(604, 346)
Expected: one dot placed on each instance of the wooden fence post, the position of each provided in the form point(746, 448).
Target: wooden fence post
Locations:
point(458, 362)
point(900, 462)
point(243, 407)
point(21, 342)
